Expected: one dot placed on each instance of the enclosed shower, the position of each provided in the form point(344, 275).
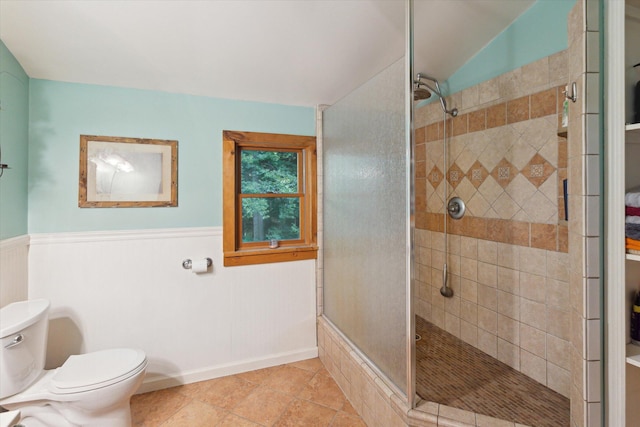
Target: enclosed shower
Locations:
point(443, 217)
point(471, 301)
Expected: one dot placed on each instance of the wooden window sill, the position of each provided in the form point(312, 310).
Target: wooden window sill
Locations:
point(264, 256)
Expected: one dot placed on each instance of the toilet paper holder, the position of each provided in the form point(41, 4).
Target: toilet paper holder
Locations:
point(186, 264)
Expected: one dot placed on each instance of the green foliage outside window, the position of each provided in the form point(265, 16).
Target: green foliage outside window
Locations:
point(269, 173)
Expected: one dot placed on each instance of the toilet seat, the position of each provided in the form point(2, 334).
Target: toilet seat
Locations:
point(95, 370)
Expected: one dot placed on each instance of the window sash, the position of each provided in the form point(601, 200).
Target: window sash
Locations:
point(300, 168)
point(266, 242)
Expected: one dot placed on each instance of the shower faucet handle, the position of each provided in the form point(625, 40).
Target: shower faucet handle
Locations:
point(456, 208)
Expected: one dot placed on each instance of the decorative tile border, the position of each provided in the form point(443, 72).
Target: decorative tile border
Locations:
point(542, 236)
point(501, 192)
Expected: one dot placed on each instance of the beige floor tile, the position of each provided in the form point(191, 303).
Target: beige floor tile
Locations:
point(197, 414)
point(263, 405)
point(152, 409)
point(192, 390)
point(304, 413)
point(349, 409)
point(226, 392)
point(288, 379)
point(258, 376)
point(233, 420)
point(313, 365)
point(342, 419)
point(300, 394)
point(322, 389)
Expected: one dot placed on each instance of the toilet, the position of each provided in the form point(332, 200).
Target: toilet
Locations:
point(91, 389)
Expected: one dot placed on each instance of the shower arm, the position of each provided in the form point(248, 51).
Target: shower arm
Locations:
point(436, 90)
point(418, 82)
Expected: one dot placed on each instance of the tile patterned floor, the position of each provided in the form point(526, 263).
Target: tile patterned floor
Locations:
point(452, 372)
point(296, 394)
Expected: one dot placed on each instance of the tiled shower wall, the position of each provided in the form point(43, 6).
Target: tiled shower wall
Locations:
point(584, 201)
point(507, 257)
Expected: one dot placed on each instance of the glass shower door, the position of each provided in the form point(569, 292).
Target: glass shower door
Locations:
point(366, 218)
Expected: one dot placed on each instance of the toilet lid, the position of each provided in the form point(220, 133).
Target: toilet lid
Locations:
point(19, 315)
point(97, 369)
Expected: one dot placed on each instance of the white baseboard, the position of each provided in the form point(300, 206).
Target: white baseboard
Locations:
point(154, 382)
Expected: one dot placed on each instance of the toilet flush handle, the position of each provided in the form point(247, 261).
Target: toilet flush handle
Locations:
point(16, 340)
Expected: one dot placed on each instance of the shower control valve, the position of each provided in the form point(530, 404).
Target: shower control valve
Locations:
point(456, 208)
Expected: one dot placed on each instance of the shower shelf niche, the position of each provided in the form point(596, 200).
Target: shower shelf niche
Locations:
point(633, 355)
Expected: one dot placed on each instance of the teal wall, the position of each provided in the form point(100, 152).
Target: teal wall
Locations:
point(14, 136)
point(61, 112)
point(540, 31)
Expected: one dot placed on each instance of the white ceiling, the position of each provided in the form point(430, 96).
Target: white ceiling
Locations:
point(302, 52)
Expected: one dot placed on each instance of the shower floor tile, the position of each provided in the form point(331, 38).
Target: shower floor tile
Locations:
point(454, 373)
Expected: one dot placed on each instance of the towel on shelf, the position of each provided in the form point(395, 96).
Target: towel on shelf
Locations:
point(630, 211)
point(632, 231)
point(632, 219)
point(631, 244)
point(632, 198)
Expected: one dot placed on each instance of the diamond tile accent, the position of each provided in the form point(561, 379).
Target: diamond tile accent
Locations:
point(435, 177)
point(455, 175)
point(504, 173)
point(477, 174)
point(538, 170)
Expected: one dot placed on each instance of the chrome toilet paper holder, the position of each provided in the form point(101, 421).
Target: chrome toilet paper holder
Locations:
point(186, 264)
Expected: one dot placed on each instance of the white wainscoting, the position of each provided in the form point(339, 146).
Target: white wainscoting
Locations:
point(14, 277)
point(129, 289)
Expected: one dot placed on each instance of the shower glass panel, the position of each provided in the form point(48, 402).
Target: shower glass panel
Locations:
point(366, 220)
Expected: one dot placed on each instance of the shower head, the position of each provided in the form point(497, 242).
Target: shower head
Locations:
point(421, 87)
point(420, 93)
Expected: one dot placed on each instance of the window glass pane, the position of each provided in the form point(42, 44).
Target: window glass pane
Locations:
point(263, 172)
point(266, 218)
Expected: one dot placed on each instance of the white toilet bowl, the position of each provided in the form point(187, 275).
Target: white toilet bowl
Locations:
point(91, 390)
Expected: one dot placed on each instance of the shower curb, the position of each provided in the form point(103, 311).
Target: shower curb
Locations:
point(375, 400)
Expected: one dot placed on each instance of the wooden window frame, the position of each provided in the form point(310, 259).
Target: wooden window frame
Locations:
point(238, 253)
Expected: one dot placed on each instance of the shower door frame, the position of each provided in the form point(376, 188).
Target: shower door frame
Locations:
point(411, 226)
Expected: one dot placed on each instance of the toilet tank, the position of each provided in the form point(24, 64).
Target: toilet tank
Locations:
point(23, 342)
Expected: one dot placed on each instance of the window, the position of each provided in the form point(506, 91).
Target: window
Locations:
point(269, 197)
